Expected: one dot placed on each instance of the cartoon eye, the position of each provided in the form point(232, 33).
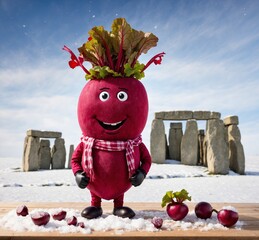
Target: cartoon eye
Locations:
point(122, 96)
point(104, 96)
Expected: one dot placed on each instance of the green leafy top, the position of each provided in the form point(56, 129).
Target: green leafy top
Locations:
point(175, 197)
point(115, 53)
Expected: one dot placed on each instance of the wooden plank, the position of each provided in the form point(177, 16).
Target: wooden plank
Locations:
point(248, 212)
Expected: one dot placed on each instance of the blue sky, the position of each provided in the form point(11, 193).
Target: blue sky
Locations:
point(211, 62)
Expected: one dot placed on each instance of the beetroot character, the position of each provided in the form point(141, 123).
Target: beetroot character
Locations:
point(112, 113)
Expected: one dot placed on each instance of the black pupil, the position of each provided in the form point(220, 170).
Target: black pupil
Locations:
point(121, 95)
point(104, 95)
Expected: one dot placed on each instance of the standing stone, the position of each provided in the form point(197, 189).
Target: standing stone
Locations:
point(236, 152)
point(189, 145)
point(158, 141)
point(175, 139)
point(201, 136)
point(31, 154)
point(44, 154)
point(59, 154)
point(205, 144)
point(24, 152)
point(217, 149)
point(71, 150)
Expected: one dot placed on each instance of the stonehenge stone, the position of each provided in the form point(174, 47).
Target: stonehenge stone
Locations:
point(189, 145)
point(215, 115)
point(178, 115)
point(186, 115)
point(44, 134)
point(236, 151)
point(175, 139)
point(205, 144)
point(44, 154)
point(201, 115)
point(174, 115)
point(71, 150)
point(231, 120)
point(159, 115)
point(217, 149)
point(158, 141)
point(58, 154)
point(201, 136)
point(31, 154)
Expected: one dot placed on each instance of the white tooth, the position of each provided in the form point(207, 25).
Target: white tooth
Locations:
point(112, 124)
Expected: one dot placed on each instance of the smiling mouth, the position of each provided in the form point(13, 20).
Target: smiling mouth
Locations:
point(111, 126)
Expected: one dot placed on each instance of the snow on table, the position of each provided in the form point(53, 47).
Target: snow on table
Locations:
point(139, 226)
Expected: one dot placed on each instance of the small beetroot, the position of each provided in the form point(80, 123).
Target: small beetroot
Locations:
point(227, 217)
point(59, 215)
point(157, 222)
point(72, 221)
point(175, 208)
point(22, 211)
point(203, 210)
point(40, 218)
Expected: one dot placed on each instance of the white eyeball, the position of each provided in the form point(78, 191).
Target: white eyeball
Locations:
point(104, 96)
point(122, 96)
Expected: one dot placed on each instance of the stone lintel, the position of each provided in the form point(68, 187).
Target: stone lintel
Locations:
point(215, 115)
point(43, 134)
point(186, 115)
point(231, 120)
point(178, 115)
point(159, 115)
point(201, 115)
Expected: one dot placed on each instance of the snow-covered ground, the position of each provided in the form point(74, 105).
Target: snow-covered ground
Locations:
point(59, 185)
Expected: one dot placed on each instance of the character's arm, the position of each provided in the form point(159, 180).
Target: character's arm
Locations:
point(81, 179)
point(141, 173)
point(77, 159)
point(145, 158)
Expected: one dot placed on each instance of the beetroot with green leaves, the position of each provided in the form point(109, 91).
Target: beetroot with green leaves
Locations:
point(175, 208)
point(112, 113)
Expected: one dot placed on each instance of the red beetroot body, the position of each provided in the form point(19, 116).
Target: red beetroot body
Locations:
point(203, 210)
point(177, 211)
point(113, 109)
point(227, 217)
point(40, 218)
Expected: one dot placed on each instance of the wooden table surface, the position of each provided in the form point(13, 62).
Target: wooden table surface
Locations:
point(248, 214)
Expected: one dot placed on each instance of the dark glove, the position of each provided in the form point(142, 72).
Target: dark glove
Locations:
point(138, 177)
point(81, 179)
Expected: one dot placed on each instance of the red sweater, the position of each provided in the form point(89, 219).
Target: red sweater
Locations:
point(110, 169)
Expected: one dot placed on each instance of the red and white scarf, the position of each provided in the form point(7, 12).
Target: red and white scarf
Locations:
point(90, 143)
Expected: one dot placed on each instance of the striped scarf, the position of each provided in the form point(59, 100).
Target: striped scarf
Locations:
point(90, 143)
